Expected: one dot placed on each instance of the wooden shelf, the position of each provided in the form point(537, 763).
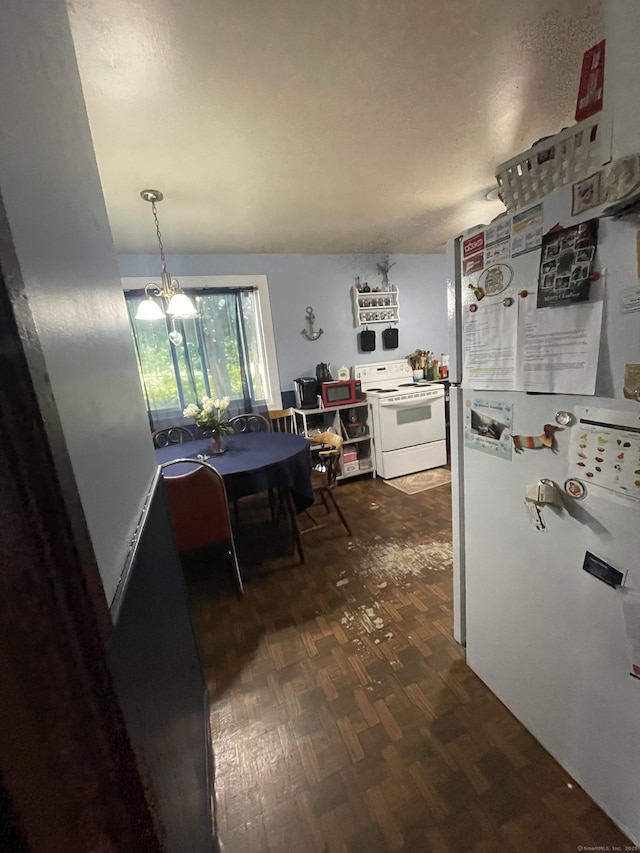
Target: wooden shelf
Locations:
point(308, 420)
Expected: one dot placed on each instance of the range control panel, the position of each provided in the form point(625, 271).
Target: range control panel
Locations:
point(411, 397)
point(379, 374)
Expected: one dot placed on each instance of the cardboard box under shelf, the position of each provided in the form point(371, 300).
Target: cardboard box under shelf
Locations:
point(350, 468)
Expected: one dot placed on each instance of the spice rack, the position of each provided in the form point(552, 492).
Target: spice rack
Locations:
point(376, 306)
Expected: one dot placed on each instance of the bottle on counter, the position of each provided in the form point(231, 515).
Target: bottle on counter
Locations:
point(435, 370)
point(428, 368)
point(444, 366)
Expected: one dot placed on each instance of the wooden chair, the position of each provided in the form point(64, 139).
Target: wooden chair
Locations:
point(171, 435)
point(199, 510)
point(324, 481)
point(250, 423)
point(283, 420)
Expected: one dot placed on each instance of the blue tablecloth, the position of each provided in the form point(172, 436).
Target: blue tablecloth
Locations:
point(253, 463)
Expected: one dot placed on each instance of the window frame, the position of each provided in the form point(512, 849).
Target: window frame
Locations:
point(260, 284)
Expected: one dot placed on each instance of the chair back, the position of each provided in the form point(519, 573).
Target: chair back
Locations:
point(330, 457)
point(252, 422)
point(197, 505)
point(283, 420)
point(171, 435)
point(323, 478)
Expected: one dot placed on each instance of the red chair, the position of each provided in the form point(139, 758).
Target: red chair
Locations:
point(199, 510)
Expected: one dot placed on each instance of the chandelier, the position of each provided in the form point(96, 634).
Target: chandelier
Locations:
point(178, 304)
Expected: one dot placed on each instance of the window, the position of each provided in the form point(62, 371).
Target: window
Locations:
point(228, 350)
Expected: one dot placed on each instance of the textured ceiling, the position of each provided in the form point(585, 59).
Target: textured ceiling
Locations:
point(319, 126)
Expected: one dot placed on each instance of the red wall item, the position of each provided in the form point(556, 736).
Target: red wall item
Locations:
point(591, 87)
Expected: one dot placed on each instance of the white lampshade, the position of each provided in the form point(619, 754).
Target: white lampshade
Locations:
point(149, 310)
point(181, 306)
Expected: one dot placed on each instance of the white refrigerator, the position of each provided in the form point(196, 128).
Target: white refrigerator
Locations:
point(547, 636)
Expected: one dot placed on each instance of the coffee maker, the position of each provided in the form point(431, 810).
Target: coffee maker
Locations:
point(323, 374)
point(305, 391)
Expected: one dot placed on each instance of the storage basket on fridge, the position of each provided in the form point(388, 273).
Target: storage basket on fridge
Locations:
point(574, 153)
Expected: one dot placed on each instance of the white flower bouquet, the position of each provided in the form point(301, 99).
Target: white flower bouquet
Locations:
point(211, 417)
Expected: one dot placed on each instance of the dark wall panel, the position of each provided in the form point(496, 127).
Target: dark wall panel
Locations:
point(158, 676)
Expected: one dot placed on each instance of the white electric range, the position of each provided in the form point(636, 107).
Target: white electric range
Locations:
point(408, 418)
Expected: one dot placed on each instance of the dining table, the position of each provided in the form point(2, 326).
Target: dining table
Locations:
point(253, 463)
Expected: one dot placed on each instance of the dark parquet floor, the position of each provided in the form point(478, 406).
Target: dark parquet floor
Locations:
point(344, 717)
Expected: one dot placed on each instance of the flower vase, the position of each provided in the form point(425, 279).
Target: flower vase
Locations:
point(218, 445)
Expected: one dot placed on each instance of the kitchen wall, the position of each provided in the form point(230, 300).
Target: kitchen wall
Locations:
point(60, 246)
point(324, 282)
point(56, 253)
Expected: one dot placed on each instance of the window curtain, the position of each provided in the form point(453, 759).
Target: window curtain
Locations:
point(215, 354)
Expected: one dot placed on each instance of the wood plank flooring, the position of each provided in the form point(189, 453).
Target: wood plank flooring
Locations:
point(344, 717)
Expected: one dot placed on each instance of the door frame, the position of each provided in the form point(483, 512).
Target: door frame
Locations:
point(69, 774)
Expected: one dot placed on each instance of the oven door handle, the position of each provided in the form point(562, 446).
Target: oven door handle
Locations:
point(424, 401)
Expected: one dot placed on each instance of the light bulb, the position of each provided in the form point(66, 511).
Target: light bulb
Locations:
point(149, 310)
point(181, 306)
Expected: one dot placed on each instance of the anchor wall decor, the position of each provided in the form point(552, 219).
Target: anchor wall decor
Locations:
point(310, 319)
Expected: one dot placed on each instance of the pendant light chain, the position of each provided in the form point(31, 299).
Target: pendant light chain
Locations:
point(160, 244)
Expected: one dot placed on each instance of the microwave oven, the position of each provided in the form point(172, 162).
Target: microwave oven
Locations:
point(341, 392)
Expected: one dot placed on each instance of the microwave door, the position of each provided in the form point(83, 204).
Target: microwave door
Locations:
point(338, 393)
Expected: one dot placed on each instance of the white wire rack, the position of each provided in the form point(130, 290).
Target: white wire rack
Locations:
point(569, 156)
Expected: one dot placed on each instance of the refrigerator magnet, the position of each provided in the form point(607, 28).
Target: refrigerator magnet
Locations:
point(495, 279)
point(565, 418)
point(575, 488)
point(536, 442)
point(473, 307)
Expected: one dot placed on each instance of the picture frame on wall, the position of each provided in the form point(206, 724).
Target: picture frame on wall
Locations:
point(586, 193)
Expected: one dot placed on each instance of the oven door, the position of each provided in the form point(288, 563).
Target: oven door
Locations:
point(411, 421)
